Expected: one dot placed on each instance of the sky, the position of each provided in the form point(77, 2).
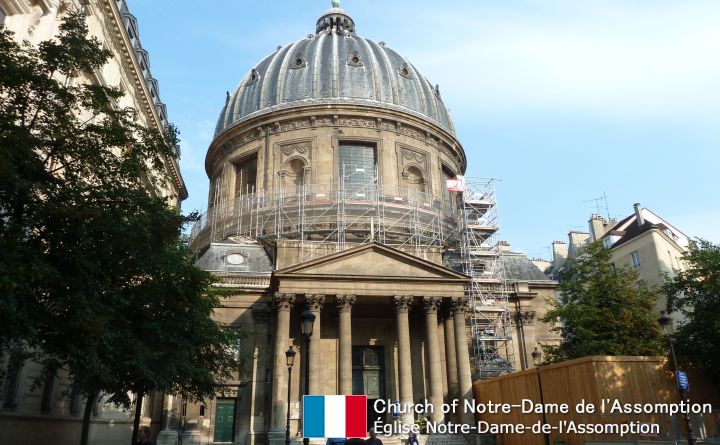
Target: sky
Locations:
point(563, 101)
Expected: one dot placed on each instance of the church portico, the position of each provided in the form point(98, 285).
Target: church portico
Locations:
point(374, 334)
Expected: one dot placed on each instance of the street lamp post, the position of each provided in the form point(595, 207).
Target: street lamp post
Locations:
point(307, 321)
point(290, 358)
point(537, 359)
point(666, 322)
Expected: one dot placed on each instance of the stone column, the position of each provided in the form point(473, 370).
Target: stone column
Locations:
point(458, 307)
point(433, 349)
point(451, 360)
point(283, 303)
point(344, 306)
point(402, 307)
point(315, 303)
point(262, 358)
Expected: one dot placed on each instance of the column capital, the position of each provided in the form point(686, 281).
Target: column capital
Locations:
point(431, 304)
point(402, 303)
point(345, 302)
point(459, 304)
point(314, 302)
point(283, 302)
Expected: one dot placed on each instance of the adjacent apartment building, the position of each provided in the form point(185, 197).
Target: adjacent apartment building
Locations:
point(643, 240)
point(51, 412)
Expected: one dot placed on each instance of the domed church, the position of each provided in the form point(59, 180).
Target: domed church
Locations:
point(331, 218)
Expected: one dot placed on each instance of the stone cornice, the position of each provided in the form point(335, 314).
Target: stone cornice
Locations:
point(129, 62)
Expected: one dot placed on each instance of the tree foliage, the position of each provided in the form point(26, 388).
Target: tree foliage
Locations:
point(93, 274)
point(602, 310)
point(695, 292)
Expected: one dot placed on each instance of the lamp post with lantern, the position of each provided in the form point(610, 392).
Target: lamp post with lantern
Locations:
point(307, 322)
point(290, 360)
point(666, 321)
point(537, 359)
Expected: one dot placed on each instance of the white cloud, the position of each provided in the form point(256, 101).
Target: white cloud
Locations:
point(654, 60)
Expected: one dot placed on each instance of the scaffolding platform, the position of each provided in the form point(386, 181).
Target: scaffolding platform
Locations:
point(487, 290)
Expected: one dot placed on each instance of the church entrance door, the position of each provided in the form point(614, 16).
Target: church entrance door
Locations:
point(224, 420)
point(368, 377)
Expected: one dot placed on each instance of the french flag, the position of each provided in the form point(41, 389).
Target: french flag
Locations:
point(334, 416)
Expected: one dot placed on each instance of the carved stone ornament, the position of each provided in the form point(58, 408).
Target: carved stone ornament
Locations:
point(354, 59)
point(254, 77)
point(431, 304)
point(283, 302)
point(458, 304)
point(345, 302)
point(414, 157)
point(524, 317)
point(402, 303)
point(298, 63)
point(404, 71)
point(314, 302)
point(302, 148)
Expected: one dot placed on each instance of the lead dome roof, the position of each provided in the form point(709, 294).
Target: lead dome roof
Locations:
point(334, 66)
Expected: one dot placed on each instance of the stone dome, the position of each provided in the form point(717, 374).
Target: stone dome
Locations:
point(334, 66)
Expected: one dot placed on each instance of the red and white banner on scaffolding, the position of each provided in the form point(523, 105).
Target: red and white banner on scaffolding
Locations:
point(457, 184)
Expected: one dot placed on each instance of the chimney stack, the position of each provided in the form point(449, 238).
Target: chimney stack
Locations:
point(638, 215)
point(598, 226)
point(560, 253)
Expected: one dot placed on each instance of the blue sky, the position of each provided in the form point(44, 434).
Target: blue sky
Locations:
point(562, 100)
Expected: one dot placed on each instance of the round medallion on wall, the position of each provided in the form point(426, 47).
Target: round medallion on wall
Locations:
point(235, 259)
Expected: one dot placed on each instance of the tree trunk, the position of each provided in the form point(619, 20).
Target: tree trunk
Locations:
point(86, 420)
point(136, 421)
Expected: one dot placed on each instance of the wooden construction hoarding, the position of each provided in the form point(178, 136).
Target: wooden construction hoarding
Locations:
point(592, 379)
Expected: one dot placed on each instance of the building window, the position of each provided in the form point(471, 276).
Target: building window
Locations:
point(357, 168)
point(246, 176)
point(635, 260)
point(12, 381)
point(48, 394)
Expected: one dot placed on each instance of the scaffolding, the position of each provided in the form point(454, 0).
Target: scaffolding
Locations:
point(487, 291)
point(324, 219)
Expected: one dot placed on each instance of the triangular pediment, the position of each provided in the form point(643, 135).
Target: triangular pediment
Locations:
point(372, 260)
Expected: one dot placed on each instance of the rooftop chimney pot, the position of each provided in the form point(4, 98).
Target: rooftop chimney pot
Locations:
point(638, 215)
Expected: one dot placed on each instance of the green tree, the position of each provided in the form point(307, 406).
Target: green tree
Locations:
point(602, 310)
point(695, 292)
point(93, 276)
